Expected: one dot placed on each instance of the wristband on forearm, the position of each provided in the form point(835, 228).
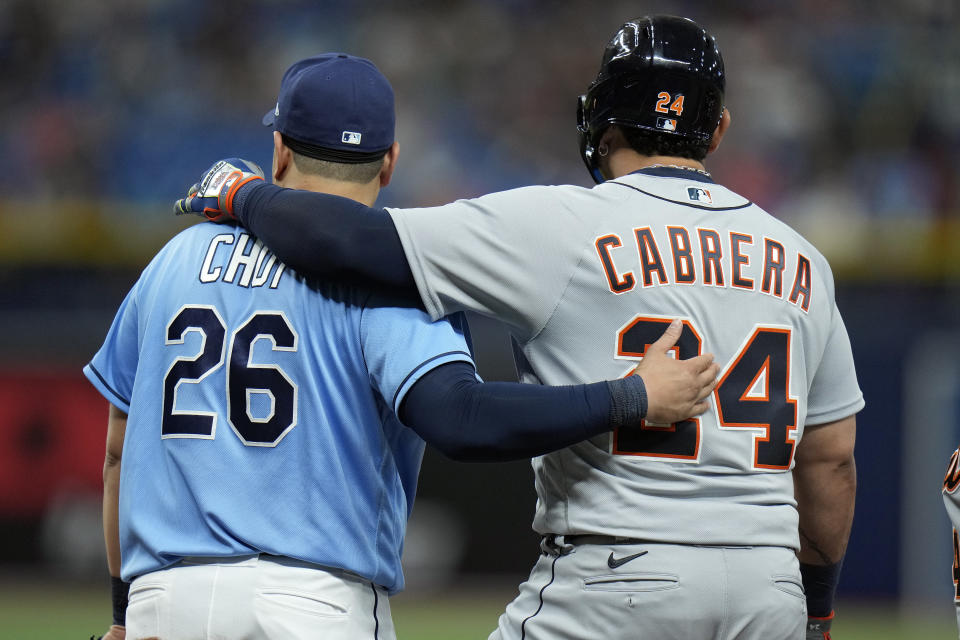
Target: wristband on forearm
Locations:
point(240, 198)
point(119, 590)
point(628, 401)
point(820, 585)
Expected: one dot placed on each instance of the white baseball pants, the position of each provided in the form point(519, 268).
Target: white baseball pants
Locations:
point(258, 597)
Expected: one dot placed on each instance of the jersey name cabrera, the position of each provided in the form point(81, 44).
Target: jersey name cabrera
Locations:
point(589, 278)
point(701, 261)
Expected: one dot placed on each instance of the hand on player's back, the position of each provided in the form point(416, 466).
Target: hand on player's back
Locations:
point(676, 389)
point(213, 195)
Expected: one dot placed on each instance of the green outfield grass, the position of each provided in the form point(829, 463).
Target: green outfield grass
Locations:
point(39, 612)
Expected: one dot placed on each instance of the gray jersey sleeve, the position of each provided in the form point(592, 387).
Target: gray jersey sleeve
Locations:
point(499, 255)
point(834, 391)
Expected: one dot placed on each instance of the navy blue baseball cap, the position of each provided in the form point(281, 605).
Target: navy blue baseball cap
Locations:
point(335, 107)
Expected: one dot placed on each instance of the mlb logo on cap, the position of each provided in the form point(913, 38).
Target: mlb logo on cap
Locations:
point(699, 195)
point(350, 137)
point(667, 124)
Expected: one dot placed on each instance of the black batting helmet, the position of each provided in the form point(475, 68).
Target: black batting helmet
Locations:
point(659, 73)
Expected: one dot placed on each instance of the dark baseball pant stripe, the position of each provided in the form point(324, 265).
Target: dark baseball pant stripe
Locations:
point(553, 573)
point(376, 606)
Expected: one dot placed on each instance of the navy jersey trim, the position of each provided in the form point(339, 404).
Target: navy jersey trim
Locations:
point(420, 366)
point(106, 384)
point(674, 172)
point(681, 203)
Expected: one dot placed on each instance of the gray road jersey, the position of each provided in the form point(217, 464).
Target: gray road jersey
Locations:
point(588, 278)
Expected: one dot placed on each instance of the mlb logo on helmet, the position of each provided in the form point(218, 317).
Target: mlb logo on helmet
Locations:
point(667, 124)
point(350, 137)
point(699, 195)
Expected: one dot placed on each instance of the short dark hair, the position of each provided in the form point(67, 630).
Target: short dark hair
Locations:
point(361, 173)
point(652, 143)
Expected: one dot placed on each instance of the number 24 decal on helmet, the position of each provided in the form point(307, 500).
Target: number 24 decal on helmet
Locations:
point(664, 98)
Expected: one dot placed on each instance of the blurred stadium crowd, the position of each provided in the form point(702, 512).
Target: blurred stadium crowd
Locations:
point(841, 109)
point(845, 124)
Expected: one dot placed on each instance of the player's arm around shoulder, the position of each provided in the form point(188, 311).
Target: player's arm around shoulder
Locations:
point(508, 254)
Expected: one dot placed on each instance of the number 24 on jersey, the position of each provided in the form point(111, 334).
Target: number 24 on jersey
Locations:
point(753, 393)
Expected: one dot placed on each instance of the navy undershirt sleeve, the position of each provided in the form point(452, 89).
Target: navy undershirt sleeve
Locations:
point(327, 236)
point(330, 237)
point(475, 421)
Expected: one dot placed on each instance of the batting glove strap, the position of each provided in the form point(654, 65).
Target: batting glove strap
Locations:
point(119, 591)
point(214, 196)
point(819, 628)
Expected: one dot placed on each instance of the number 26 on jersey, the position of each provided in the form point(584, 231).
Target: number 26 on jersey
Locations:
point(248, 384)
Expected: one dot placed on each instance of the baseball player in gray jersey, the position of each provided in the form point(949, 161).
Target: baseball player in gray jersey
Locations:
point(951, 500)
point(729, 525)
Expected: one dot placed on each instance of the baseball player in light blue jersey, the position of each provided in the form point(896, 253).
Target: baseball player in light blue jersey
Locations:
point(258, 476)
point(729, 526)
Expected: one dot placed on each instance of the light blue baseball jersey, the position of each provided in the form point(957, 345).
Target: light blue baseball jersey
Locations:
point(262, 410)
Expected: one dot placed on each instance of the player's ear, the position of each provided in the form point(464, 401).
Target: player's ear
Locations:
point(721, 129)
point(282, 158)
point(389, 164)
point(611, 140)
